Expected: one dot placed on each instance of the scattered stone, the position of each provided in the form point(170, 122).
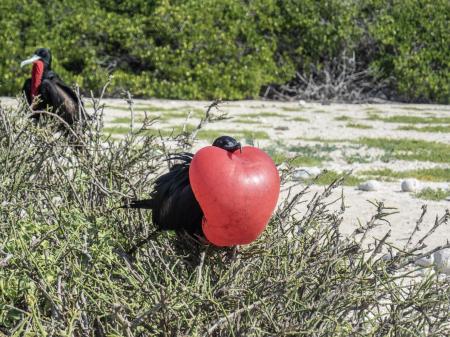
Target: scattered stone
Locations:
point(314, 171)
point(425, 261)
point(387, 256)
point(282, 128)
point(410, 185)
point(306, 173)
point(442, 260)
point(302, 102)
point(370, 185)
point(300, 174)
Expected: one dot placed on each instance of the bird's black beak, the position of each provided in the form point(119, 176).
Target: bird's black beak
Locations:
point(239, 147)
point(32, 59)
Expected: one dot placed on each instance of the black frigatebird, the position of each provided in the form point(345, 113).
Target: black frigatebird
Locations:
point(52, 91)
point(173, 204)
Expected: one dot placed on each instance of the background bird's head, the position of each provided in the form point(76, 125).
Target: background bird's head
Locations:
point(43, 54)
point(227, 143)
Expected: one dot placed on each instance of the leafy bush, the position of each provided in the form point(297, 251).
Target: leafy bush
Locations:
point(312, 33)
point(231, 49)
point(64, 269)
point(413, 39)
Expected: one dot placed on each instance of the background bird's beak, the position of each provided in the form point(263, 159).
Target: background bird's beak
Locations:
point(240, 147)
point(32, 59)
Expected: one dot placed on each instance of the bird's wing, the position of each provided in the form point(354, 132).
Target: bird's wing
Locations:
point(66, 89)
point(63, 99)
point(70, 111)
point(172, 200)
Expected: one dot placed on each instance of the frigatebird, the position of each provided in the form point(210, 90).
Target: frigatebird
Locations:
point(173, 204)
point(52, 91)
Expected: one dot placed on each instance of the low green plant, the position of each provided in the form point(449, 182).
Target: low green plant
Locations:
point(324, 140)
point(431, 174)
point(342, 118)
point(430, 128)
point(409, 119)
point(429, 193)
point(291, 109)
point(312, 149)
point(279, 156)
point(299, 119)
point(263, 114)
point(359, 126)
point(410, 149)
point(328, 177)
point(246, 121)
point(357, 158)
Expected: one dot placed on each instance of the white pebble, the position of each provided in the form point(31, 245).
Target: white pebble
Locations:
point(370, 185)
point(425, 261)
point(387, 257)
point(300, 175)
point(410, 185)
point(442, 260)
point(314, 171)
point(301, 102)
point(305, 173)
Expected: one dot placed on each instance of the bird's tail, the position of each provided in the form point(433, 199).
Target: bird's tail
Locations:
point(145, 204)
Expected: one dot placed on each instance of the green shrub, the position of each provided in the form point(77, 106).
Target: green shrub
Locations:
point(413, 38)
point(314, 32)
point(225, 48)
point(175, 50)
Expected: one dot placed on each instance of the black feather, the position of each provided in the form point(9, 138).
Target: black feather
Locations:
point(172, 200)
point(144, 204)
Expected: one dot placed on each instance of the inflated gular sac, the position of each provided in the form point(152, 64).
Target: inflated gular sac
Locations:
point(237, 191)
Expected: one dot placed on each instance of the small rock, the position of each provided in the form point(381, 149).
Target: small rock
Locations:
point(442, 260)
point(410, 185)
point(314, 171)
point(300, 175)
point(370, 185)
point(306, 173)
point(425, 261)
point(302, 102)
point(387, 257)
point(282, 128)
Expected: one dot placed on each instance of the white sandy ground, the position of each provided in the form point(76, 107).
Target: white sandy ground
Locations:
point(321, 125)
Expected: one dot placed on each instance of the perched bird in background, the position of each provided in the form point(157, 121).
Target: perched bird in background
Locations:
point(52, 91)
point(224, 193)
